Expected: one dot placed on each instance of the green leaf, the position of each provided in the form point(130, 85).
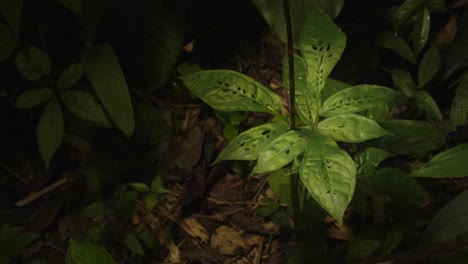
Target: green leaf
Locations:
point(459, 108)
point(32, 63)
point(33, 97)
point(125, 205)
point(421, 30)
point(83, 251)
point(139, 187)
point(151, 200)
point(437, 6)
point(429, 66)
point(150, 126)
point(329, 174)
point(350, 128)
point(425, 102)
point(331, 87)
point(450, 163)
point(404, 81)
point(7, 41)
point(85, 106)
point(394, 42)
point(322, 43)
point(281, 151)
point(133, 244)
point(94, 210)
point(226, 90)
point(449, 222)
point(280, 183)
point(103, 69)
point(378, 113)
point(267, 210)
point(72, 5)
point(249, 144)
point(11, 11)
point(405, 11)
point(157, 184)
point(70, 76)
point(361, 248)
point(50, 130)
point(12, 243)
point(370, 157)
point(357, 98)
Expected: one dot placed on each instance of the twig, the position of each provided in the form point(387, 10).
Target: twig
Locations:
point(36, 195)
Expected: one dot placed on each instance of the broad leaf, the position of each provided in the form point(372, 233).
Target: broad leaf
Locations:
point(70, 76)
point(11, 11)
point(357, 98)
point(226, 90)
point(361, 248)
point(421, 30)
point(13, 243)
point(429, 66)
point(369, 158)
point(459, 108)
point(281, 151)
point(249, 144)
point(280, 183)
point(406, 10)
point(7, 41)
point(32, 63)
point(392, 41)
point(450, 163)
point(322, 43)
point(425, 102)
point(150, 126)
point(350, 128)
point(449, 222)
point(378, 113)
point(33, 97)
point(331, 87)
point(85, 106)
point(85, 251)
point(404, 81)
point(50, 131)
point(103, 69)
point(329, 174)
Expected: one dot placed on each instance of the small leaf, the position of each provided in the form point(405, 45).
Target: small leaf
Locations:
point(459, 108)
point(322, 43)
point(11, 11)
point(103, 69)
point(329, 174)
point(33, 97)
point(139, 187)
point(85, 106)
point(421, 30)
point(125, 205)
point(394, 42)
point(85, 251)
point(281, 151)
point(406, 10)
point(249, 144)
point(357, 98)
point(151, 200)
point(267, 210)
point(94, 210)
point(133, 244)
point(70, 76)
point(350, 128)
point(7, 41)
point(449, 222)
point(450, 163)
point(32, 63)
point(50, 131)
point(425, 102)
point(404, 81)
point(429, 66)
point(370, 157)
point(280, 183)
point(437, 6)
point(157, 184)
point(360, 248)
point(226, 90)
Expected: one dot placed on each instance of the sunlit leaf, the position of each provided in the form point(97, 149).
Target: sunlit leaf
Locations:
point(350, 128)
point(249, 144)
point(357, 98)
point(378, 113)
point(226, 90)
point(329, 174)
point(32, 63)
point(394, 42)
point(70, 76)
point(404, 81)
point(281, 151)
point(322, 43)
point(421, 30)
point(11, 11)
point(459, 108)
point(50, 131)
point(450, 163)
point(33, 97)
point(429, 66)
point(85, 106)
point(426, 102)
point(405, 11)
point(85, 252)
point(103, 69)
point(7, 41)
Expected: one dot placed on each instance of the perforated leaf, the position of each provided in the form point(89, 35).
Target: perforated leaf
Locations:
point(357, 98)
point(50, 131)
point(429, 66)
point(405, 11)
point(421, 29)
point(459, 108)
point(7, 41)
point(322, 43)
point(281, 151)
point(249, 144)
point(33, 97)
point(368, 159)
point(404, 81)
point(85, 106)
point(329, 174)
point(32, 63)
point(350, 128)
point(226, 90)
point(70, 76)
point(394, 42)
point(425, 102)
point(447, 164)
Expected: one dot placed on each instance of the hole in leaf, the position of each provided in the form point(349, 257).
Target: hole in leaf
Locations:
point(266, 132)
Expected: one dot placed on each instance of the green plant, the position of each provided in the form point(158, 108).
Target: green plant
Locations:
point(12, 244)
